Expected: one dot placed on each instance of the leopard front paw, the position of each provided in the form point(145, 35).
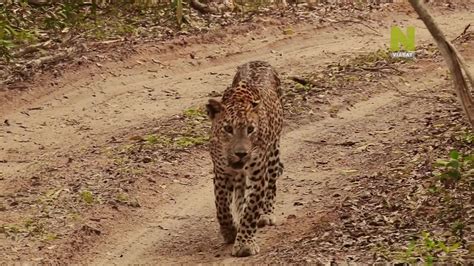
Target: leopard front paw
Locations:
point(245, 249)
point(266, 219)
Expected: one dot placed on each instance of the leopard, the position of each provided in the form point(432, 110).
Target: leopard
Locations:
point(244, 146)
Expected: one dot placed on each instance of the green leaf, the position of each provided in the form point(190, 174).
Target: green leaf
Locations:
point(455, 174)
point(454, 164)
point(433, 189)
point(454, 247)
point(425, 234)
point(443, 246)
point(454, 155)
point(411, 248)
point(429, 260)
point(10, 30)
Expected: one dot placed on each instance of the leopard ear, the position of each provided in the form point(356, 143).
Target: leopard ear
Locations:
point(213, 108)
point(255, 103)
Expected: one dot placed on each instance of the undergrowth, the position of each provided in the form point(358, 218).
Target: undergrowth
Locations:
point(25, 24)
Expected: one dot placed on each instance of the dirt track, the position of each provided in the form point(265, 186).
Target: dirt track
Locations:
point(181, 228)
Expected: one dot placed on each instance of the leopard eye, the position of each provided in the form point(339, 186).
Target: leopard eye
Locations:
point(229, 129)
point(250, 129)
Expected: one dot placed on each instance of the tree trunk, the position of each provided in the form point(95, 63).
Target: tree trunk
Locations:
point(454, 60)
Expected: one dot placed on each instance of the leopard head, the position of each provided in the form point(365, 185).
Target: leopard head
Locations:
point(236, 125)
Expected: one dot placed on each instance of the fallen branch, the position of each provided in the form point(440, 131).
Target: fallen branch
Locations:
point(304, 81)
point(463, 33)
point(380, 68)
point(38, 2)
point(356, 22)
point(453, 59)
point(32, 48)
point(99, 43)
point(49, 59)
point(323, 142)
point(203, 8)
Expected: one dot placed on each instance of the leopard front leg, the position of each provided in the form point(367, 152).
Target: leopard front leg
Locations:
point(274, 171)
point(251, 209)
point(223, 198)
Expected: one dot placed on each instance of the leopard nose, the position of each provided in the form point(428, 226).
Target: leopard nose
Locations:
point(241, 154)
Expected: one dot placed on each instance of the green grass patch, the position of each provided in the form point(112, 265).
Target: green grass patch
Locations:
point(189, 141)
point(87, 196)
point(194, 113)
point(428, 249)
point(458, 166)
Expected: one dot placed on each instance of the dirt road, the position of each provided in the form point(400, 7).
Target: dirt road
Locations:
point(177, 224)
point(176, 237)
